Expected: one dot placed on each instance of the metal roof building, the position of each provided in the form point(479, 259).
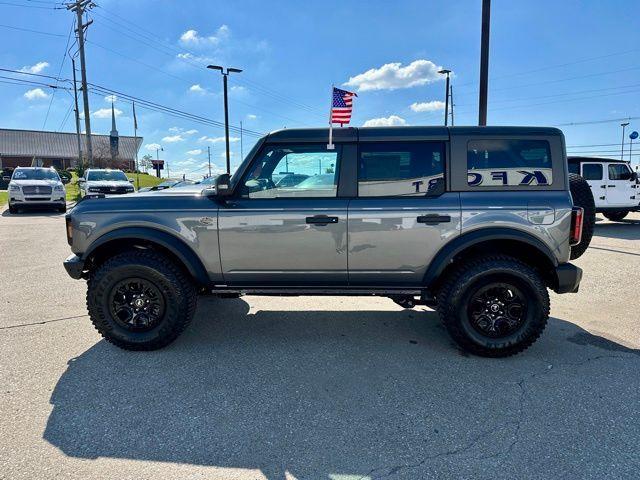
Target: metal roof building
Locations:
point(60, 149)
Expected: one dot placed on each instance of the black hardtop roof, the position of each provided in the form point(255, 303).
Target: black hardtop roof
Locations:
point(353, 134)
point(580, 158)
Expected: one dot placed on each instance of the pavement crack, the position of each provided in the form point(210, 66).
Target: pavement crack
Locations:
point(43, 322)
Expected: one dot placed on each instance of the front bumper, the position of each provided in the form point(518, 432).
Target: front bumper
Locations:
point(74, 266)
point(22, 200)
point(568, 278)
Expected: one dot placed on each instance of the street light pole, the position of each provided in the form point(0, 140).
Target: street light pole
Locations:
point(225, 74)
point(158, 160)
point(484, 62)
point(446, 72)
point(624, 126)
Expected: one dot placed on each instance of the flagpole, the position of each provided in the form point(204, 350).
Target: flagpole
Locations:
point(330, 145)
point(135, 145)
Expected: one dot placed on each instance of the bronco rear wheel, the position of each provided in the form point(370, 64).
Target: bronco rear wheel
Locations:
point(494, 307)
point(140, 300)
point(582, 197)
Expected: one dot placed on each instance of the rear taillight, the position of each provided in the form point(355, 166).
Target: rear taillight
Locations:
point(577, 217)
point(69, 230)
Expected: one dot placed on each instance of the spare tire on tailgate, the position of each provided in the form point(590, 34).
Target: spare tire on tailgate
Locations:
point(582, 197)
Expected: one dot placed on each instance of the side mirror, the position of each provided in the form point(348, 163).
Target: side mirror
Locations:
point(65, 180)
point(81, 180)
point(223, 185)
point(131, 180)
point(634, 176)
point(6, 179)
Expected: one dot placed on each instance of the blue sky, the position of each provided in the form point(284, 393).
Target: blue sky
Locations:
point(551, 63)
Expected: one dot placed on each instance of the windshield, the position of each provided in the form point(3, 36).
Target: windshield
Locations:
point(35, 174)
point(107, 175)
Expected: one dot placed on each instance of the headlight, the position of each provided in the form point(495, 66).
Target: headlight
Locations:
point(59, 188)
point(130, 189)
point(14, 188)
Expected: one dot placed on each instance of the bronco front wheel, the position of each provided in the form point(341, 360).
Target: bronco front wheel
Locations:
point(140, 300)
point(494, 307)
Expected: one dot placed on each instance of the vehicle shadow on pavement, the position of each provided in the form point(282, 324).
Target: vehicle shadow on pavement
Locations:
point(321, 394)
point(624, 229)
point(32, 212)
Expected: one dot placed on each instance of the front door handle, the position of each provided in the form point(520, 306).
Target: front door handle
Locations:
point(434, 219)
point(321, 220)
point(610, 186)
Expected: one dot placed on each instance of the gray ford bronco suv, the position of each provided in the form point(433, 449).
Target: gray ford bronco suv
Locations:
point(476, 222)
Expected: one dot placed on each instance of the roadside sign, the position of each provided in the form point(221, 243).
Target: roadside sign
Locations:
point(633, 135)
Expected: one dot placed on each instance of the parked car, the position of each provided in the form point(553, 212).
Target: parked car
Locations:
point(106, 181)
point(614, 185)
point(476, 222)
point(36, 187)
point(166, 184)
point(288, 179)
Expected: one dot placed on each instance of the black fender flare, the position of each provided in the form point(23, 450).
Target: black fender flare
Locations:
point(175, 245)
point(447, 253)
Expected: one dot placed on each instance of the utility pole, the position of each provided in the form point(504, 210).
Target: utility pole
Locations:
point(624, 126)
point(446, 72)
point(451, 97)
point(79, 7)
point(226, 106)
point(75, 99)
point(209, 155)
point(484, 62)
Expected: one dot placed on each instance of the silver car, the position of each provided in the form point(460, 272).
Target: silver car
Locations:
point(106, 181)
point(478, 223)
point(36, 187)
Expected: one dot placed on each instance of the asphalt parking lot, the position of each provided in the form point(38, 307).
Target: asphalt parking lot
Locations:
point(299, 388)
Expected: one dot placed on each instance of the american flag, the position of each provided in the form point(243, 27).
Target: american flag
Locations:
point(341, 106)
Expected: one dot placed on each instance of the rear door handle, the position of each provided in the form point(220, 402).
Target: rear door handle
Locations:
point(321, 220)
point(434, 219)
point(610, 186)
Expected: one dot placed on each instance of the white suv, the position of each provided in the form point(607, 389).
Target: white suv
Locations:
point(36, 187)
point(614, 185)
point(107, 181)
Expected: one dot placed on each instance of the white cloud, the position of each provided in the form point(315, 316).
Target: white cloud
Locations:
point(392, 76)
point(194, 39)
point(197, 151)
point(111, 98)
point(196, 88)
point(173, 138)
point(432, 106)
point(193, 131)
point(391, 121)
point(35, 94)
point(238, 88)
point(251, 116)
point(218, 139)
point(152, 147)
point(106, 113)
point(182, 131)
point(37, 68)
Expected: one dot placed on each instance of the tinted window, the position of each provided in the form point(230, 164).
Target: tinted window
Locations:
point(592, 171)
point(309, 170)
point(496, 163)
point(106, 176)
point(619, 172)
point(574, 168)
point(35, 174)
point(392, 169)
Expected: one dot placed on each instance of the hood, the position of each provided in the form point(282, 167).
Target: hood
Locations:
point(186, 190)
point(36, 183)
point(108, 183)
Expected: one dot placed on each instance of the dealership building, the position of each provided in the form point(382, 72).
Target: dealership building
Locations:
point(25, 148)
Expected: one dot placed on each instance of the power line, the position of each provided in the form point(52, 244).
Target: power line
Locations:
point(593, 122)
point(12, 4)
point(11, 27)
point(64, 56)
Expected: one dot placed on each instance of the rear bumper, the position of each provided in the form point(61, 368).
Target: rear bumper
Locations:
point(568, 278)
point(74, 266)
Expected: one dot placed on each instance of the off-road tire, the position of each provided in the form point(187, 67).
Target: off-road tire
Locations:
point(175, 286)
point(582, 197)
point(460, 285)
point(617, 215)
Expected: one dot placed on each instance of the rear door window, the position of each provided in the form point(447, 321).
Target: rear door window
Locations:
point(592, 171)
point(507, 163)
point(401, 169)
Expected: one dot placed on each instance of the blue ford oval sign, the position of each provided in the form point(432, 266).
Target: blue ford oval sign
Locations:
point(633, 135)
